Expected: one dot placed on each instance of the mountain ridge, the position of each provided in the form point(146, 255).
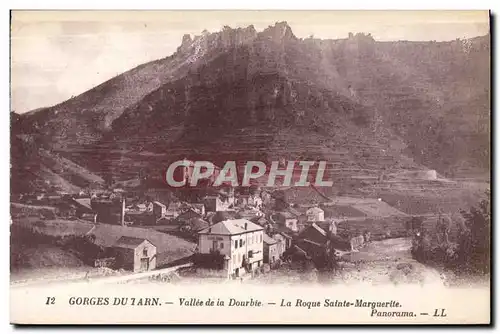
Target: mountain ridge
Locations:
point(349, 85)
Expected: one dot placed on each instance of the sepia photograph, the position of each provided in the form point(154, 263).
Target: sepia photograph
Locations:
point(250, 167)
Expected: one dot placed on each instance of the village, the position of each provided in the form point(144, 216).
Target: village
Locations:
point(221, 233)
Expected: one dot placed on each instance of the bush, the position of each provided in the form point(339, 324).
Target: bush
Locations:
point(212, 260)
point(474, 243)
point(471, 251)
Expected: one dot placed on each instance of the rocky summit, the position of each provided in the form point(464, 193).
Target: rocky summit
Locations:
point(368, 107)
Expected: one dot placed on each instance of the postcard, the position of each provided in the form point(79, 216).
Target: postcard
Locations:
point(250, 167)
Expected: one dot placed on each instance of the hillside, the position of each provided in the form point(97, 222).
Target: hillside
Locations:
point(369, 107)
point(83, 119)
point(34, 168)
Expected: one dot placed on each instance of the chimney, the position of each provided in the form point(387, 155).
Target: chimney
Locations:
point(210, 229)
point(246, 226)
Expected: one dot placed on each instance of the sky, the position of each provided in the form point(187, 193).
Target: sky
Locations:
point(59, 54)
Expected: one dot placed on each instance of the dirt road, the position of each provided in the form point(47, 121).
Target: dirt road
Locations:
point(388, 261)
point(78, 280)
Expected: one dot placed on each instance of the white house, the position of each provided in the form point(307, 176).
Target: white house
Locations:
point(199, 207)
point(251, 200)
point(240, 240)
point(216, 203)
point(173, 210)
point(315, 214)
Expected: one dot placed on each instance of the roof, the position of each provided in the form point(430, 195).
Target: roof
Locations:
point(85, 202)
point(279, 237)
point(249, 214)
point(268, 240)
point(260, 220)
point(319, 229)
point(169, 248)
point(312, 242)
point(130, 242)
point(174, 205)
point(219, 216)
point(197, 224)
point(294, 212)
point(300, 250)
point(190, 213)
point(315, 209)
point(232, 227)
point(200, 207)
point(285, 231)
point(325, 225)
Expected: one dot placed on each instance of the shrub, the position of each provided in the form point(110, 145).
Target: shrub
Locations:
point(471, 251)
point(475, 239)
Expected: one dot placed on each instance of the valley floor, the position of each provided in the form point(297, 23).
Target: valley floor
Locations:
point(379, 263)
point(388, 262)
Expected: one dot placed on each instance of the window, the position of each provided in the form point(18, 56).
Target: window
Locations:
point(221, 245)
point(241, 242)
point(260, 238)
point(145, 252)
point(250, 254)
point(235, 243)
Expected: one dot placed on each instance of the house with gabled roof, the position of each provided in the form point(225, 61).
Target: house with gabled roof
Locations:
point(135, 254)
point(187, 215)
point(315, 214)
point(273, 249)
point(169, 250)
point(286, 219)
point(198, 207)
point(83, 205)
point(240, 241)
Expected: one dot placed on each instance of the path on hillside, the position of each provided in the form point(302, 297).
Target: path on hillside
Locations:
point(113, 279)
point(388, 261)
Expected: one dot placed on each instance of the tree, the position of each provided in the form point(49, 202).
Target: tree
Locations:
point(421, 245)
point(475, 238)
point(414, 224)
point(280, 200)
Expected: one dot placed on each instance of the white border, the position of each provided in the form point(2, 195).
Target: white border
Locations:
point(143, 4)
point(255, 4)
